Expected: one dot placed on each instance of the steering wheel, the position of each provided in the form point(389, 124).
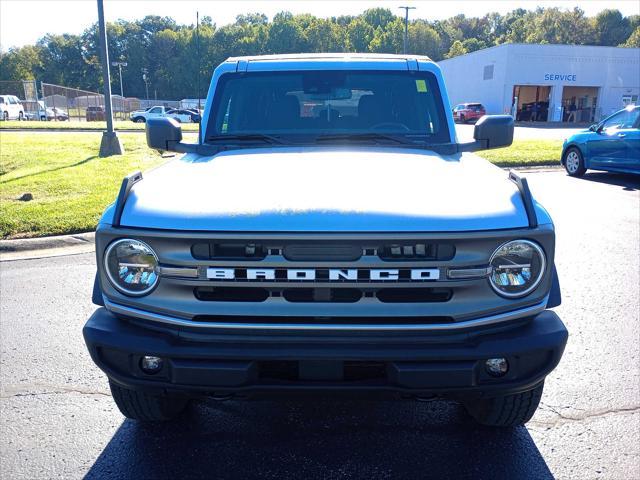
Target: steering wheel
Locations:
point(378, 126)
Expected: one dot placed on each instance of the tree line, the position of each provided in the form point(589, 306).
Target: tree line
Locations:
point(168, 51)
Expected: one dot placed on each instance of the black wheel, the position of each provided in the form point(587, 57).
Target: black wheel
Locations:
point(573, 162)
point(139, 119)
point(20, 116)
point(462, 119)
point(6, 116)
point(505, 411)
point(144, 407)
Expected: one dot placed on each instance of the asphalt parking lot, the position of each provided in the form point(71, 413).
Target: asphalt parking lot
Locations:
point(58, 420)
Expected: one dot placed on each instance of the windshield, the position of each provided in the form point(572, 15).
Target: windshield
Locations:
point(313, 104)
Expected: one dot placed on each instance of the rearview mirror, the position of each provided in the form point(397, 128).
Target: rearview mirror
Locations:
point(165, 134)
point(491, 131)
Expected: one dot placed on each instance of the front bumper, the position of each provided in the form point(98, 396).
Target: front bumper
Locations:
point(443, 364)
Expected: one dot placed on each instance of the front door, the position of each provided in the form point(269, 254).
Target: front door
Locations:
point(612, 145)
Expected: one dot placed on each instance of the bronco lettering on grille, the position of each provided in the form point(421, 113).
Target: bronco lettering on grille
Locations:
point(323, 274)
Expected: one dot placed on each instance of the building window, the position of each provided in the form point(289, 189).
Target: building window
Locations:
point(488, 72)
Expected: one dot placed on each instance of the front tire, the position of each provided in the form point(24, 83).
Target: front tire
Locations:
point(574, 162)
point(21, 116)
point(144, 407)
point(139, 120)
point(505, 411)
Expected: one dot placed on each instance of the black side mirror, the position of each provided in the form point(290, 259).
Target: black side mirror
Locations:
point(165, 134)
point(491, 131)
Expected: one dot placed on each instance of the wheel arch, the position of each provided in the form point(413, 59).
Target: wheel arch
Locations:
point(579, 147)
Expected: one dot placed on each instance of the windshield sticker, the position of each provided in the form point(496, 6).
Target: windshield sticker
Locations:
point(421, 86)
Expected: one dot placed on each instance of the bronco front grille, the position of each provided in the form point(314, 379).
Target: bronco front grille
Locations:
point(322, 278)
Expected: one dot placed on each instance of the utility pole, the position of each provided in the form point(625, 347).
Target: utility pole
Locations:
point(120, 65)
point(110, 143)
point(406, 26)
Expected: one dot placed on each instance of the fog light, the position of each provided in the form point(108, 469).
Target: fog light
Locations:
point(496, 367)
point(150, 364)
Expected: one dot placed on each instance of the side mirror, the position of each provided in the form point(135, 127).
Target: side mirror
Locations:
point(165, 134)
point(593, 128)
point(491, 131)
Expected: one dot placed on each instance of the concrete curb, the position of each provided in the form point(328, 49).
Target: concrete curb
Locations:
point(45, 243)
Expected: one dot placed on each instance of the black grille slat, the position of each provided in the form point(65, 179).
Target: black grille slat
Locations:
point(322, 253)
point(414, 295)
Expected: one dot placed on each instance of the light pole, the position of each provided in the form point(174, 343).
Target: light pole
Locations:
point(110, 143)
point(120, 65)
point(145, 78)
point(406, 26)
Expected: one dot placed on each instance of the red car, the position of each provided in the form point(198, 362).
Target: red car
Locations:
point(466, 112)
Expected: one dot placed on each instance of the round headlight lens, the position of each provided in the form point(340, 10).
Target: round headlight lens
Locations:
point(517, 268)
point(131, 265)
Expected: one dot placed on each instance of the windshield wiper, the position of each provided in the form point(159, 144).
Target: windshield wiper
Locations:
point(248, 137)
point(362, 137)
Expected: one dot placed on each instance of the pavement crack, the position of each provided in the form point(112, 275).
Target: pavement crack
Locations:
point(584, 415)
point(57, 391)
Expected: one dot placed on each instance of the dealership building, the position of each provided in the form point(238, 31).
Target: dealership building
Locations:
point(556, 83)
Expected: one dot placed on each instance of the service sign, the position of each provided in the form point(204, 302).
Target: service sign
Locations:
point(562, 77)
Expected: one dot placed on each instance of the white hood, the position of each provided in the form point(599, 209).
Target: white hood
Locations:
point(326, 190)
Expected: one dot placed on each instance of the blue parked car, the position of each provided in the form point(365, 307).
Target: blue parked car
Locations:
point(612, 145)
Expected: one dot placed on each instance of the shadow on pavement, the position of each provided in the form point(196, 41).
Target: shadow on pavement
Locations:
point(627, 181)
point(320, 439)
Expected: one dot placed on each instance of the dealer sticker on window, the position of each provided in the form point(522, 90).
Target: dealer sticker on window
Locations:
point(421, 86)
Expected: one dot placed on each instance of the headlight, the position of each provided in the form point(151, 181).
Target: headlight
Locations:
point(131, 266)
point(517, 268)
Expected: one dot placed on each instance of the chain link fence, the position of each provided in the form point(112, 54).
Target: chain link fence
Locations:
point(89, 106)
point(46, 101)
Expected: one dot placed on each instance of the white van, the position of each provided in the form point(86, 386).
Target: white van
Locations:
point(11, 108)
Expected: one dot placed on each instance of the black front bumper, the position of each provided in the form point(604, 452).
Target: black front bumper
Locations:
point(423, 365)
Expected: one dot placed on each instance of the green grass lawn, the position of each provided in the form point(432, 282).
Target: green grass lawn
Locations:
point(526, 153)
point(70, 184)
point(76, 124)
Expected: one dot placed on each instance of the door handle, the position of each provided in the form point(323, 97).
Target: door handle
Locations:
point(622, 135)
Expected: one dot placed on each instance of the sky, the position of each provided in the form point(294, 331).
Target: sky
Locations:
point(23, 22)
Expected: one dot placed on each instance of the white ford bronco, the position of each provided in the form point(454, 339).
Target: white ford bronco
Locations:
point(327, 233)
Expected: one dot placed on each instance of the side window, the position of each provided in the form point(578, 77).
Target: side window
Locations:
point(155, 110)
point(3, 100)
point(622, 120)
point(632, 120)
